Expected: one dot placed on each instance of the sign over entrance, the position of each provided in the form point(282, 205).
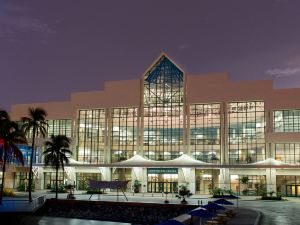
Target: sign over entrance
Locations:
point(162, 171)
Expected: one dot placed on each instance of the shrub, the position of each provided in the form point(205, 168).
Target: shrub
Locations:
point(8, 192)
point(219, 192)
point(264, 195)
point(279, 194)
point(136, 186)
point(22, 187)
point(183, 192)
point(60, 189)
point(228, 191)
point(245, 191)
point(271, 198)
point(271, 193)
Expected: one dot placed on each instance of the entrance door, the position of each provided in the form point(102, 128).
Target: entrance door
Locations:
point(293, 190)
point(158, 183)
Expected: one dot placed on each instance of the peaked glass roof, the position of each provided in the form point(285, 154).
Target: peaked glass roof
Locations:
point(164, 70)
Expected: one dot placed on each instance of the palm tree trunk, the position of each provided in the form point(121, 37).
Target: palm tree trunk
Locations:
point(31, 162)
point(56, 181)
point(3, 172)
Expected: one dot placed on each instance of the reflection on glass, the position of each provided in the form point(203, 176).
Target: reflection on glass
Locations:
point(246, 132)
point(205, 134)
point(124, 133)
point(286, 120)
point(91, 133)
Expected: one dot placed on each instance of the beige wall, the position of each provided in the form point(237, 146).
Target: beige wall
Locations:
point(55, 110)
point(200, 89)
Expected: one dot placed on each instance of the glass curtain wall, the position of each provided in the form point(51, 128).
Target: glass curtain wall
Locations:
point(62, 127)
point(205, 134)
point(288, 152)
point(286, 120)
point(288, 185)
point(50, 179)
point(21, 181)
point(206, 179)
point(91, 136)
point(124, 133)
point(246, 137)
point(247, 184)
point(163, 111)
point(55, 127)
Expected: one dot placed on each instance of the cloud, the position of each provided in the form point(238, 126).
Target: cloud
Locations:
point(285, 72)
point(14, 20)
point(183, 46)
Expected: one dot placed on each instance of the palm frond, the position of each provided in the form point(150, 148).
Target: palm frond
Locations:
point(56, 150)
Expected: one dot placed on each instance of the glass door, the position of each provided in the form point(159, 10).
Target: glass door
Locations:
point(158, 183)
point(293, 190)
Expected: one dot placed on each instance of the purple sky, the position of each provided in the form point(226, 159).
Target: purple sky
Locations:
point(51, 48)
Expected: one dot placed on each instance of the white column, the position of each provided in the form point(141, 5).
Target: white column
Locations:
point(144, 180)
point(187, 176)
point(192, 182)
point(271, 179)
point(224, 178)
point(106, 173)
point(39, 185)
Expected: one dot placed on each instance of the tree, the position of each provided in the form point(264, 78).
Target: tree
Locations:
point(10, 136)
point(56, 154)
point(35, 122)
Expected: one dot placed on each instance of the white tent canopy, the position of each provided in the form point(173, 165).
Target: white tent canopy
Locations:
point(74, 162)
point(183, 160)
point(269, 162)
point(139, 161)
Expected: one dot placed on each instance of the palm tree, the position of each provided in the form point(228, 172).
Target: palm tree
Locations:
point(35, 122)
point(10, 136)
point(57, 149)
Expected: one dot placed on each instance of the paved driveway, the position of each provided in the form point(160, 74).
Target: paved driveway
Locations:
point(275, 212)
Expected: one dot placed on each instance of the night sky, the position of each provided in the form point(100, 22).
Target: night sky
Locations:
point(50, 48)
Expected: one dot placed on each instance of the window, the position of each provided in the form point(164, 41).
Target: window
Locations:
point(205, 132)
point(82, 180)
point(91, 135)
point(286, 120)
point(288, 152)
point(246, 132)
point(123, 133)
point(163, 111)
point(62, 127)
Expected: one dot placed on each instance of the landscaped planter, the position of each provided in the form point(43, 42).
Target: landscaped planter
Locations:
point(271, 198)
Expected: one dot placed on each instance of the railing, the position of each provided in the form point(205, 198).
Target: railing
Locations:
point(22, 205)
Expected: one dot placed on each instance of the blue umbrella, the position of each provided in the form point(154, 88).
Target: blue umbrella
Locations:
point(223, 202)
point(202, 213)
point(233, 197)
point(212, 206)
point(171, 222)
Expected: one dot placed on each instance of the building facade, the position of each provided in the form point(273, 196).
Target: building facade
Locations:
point(165, 114)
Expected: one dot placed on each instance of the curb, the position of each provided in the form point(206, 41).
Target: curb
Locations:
point(258, 218)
